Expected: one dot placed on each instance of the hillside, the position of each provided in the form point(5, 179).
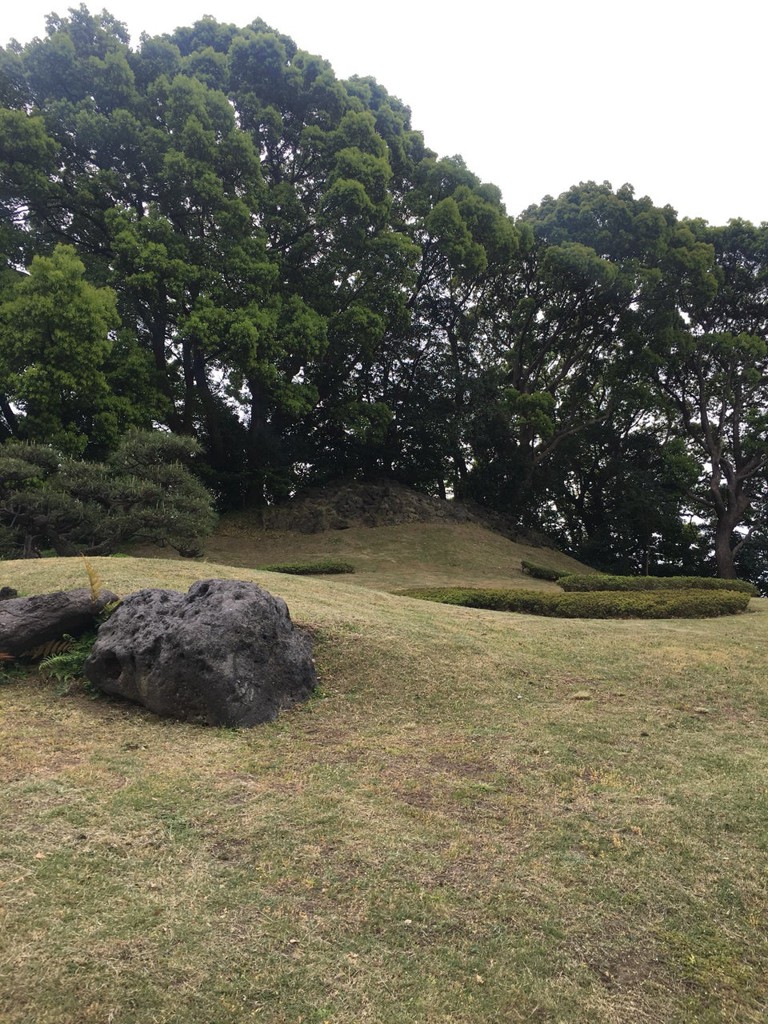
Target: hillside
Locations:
point(393, 536)
point(391, 557)
point(481, 817)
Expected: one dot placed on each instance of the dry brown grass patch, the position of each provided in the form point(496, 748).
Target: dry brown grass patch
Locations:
point(443, 812)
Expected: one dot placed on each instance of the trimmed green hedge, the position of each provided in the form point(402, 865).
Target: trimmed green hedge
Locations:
point(595, 581)
point(543, 572)
point(325, 567)
point(665, 604)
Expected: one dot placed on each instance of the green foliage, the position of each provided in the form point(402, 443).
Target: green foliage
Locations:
point(224, 239)
point(144, 492)
point(54, 344)
point(591, 605)
point(11, 668)
point(322, 567)
point(66, 661)
point(594, 582)
point(543, 572)
point(616, 495)
point(716, 381)
point(67, 667)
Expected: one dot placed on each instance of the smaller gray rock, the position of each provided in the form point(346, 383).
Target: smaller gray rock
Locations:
point(29, 622)
point(226, 653)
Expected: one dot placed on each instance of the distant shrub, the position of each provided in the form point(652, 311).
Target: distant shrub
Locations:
point(665, 604)
point(594, 581)
point(543, 572)
point(324, 567)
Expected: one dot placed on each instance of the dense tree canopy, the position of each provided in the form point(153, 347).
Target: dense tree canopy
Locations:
point(211, 233)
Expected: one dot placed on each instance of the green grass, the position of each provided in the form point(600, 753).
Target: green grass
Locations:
point(482, 818)
point(388, 557)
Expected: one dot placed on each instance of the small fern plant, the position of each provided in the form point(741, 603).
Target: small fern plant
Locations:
point(67, 667)
point(67, 662)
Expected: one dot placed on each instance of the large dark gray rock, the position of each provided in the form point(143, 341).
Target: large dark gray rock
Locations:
point(225, 653)
point(29, 622)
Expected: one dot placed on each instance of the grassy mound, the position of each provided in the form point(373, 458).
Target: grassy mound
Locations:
point(596, 581)
point(687, 604)
point(387, 557)
point(323, 567)
point(480, 818)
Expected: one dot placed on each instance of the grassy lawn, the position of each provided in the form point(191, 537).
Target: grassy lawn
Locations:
point(481, 817)
point(390, 557)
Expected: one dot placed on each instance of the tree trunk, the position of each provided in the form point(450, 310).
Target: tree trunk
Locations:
point(10, 416)
point(723, 551)
point(215, 437)
point(157, 337)
point(190, 391)
point(732, 504)
point(728, 519)
point(31, 549)
point(257, 445)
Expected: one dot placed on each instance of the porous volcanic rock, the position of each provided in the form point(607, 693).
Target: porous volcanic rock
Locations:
point(225, 653)
point(29, 622)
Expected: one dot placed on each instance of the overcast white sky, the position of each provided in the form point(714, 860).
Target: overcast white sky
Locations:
point(669, 95)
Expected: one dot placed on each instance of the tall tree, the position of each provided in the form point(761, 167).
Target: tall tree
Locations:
point(307, 288)
point(712, 369)
point(56, 337)
point(616, 494)
point(657, 267)
point(551, 346)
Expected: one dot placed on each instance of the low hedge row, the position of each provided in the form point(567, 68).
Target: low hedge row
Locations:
point(542, 572)
point(665, 604)
point(594, 581)
point(324, 567)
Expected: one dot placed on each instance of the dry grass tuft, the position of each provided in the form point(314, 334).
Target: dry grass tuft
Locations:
point(94, 580)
